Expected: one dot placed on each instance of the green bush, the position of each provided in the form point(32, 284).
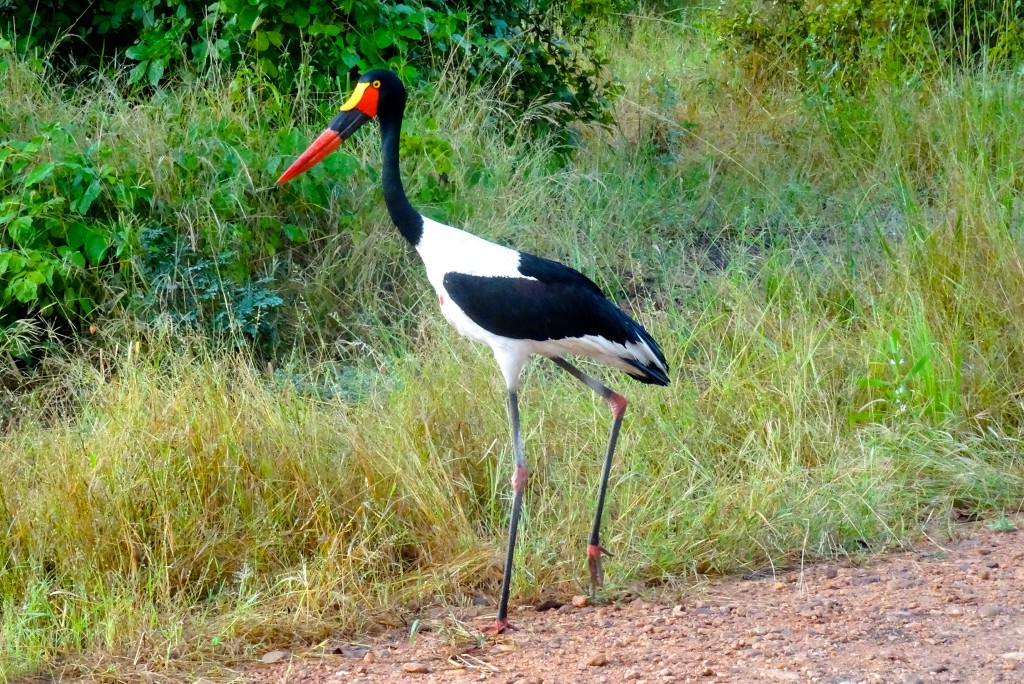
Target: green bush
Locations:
point(837, 45)
point(533, 49)
point(58, 227)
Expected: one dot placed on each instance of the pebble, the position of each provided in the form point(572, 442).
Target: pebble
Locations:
point(369, 658)
point(631, 674)
point(831, 572)
point(415, 668)
point(580, 601)
point(529, 680)
point(597, 660)
point(913, 679)
point(865, 579)
point(990, 611)
point(273, 657)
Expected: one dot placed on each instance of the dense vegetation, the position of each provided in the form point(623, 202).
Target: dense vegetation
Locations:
point(230, 418)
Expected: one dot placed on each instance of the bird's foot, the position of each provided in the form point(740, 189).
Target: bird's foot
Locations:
point(499, 627)
point(594, 553)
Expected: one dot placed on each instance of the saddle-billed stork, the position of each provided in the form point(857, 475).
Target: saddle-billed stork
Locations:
point(516, 303)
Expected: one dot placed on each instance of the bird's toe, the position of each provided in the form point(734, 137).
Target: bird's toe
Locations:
point(499, 627)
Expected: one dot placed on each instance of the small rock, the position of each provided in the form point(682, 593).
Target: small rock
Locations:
point(937, 668)
point(529, 680)
point(865, 579)
point(984, 574)
point(597, 660)
point(990, 611)
point(369, 658)
point(549, 604)
point(1013, 655)
point(580, 601)
point(678, 611)
point(415, 668)
point(1010, 664)
point(362, 669)
point(631, 674)
point(707, 672)
point(913, 679)
point(273, 657)
point(831, 571)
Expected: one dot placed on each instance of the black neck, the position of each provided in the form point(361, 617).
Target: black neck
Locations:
point(407, 219)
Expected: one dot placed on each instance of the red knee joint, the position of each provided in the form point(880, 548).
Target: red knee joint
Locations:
point(617, 402)
point(594, 550)
point(519, 477)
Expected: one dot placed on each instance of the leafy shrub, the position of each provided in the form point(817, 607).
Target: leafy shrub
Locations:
point(200, 290)
point(523, 45)
point(57, 225)
point(836, 45)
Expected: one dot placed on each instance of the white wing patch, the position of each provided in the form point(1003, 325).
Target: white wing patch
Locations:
point(445, 249)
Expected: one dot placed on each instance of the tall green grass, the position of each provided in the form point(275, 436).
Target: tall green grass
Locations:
point(838, 290)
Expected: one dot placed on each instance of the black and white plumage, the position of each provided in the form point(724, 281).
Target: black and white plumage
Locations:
point(516, 303)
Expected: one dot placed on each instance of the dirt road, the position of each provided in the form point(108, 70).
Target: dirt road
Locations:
point(950, 613)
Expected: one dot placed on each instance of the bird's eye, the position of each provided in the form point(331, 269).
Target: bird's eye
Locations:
point(376, 84)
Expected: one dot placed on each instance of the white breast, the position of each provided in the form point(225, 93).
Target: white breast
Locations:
point(444, 249)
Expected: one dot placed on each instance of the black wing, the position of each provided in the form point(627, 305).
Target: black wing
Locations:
point(553, 302)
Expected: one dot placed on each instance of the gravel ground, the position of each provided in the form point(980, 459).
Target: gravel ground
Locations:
point(953, 613)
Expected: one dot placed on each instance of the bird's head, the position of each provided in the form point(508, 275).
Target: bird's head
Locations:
point(378, 93)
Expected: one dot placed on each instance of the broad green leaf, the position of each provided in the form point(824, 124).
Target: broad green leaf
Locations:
point(350, 58)
point(25, 290)
point(155, 72)
point(78, 233)
point(72, 256)
point(383, 38)
point(295, 233)
point(46, 270)
point(21, 231)
point(247, 16)
point(39, 173)
point(137, 52)
point(136, 74)
point(95, 247)
point(89, 196)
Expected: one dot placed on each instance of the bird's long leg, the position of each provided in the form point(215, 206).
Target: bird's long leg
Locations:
point(519, 476)
point(617, 404)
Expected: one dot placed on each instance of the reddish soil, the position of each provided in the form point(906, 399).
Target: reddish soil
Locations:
point(950, 613)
